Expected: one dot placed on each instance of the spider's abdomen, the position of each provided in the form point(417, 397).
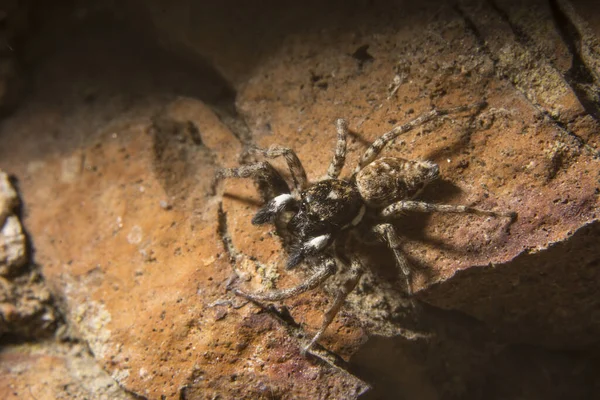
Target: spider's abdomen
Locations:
point(390, 179)
point(332, 202)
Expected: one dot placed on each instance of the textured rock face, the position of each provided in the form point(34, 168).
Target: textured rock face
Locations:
point(533, 150)
point(128, 224)
point(12, 245)
point(55, 371)
point(26, 308)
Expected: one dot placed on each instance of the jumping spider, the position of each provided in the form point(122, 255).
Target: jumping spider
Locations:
point(327, 214)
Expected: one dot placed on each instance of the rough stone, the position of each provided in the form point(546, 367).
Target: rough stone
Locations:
point(53, 370)
point(26, 306)
point(510, 157)
point(126, 222)
point(12, 246)
point(134, 253)
point(12, 240)
point(8, 198)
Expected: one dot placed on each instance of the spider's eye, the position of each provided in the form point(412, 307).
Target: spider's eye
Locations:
point(304, 205)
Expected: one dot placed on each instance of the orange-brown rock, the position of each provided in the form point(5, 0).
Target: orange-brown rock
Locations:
point(115, 156)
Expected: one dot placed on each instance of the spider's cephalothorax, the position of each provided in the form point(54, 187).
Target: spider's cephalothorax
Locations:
point(325, 209)
point(381, 188)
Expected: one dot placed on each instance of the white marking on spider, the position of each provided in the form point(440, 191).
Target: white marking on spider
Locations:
point(359, 216)
point(317, 243)
point(333, 195)
point(280, 201)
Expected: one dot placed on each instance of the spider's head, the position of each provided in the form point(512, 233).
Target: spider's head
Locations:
point(328, 205)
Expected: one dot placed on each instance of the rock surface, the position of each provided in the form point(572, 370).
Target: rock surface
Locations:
point(126, 221)
point(26, 306)
point(55, 371)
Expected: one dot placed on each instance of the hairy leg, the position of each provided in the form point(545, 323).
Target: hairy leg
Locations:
point(390, 237)
point(323, 272)
point(400, 207)
point(339, 157)
point(356, 271)
point(373, 151)
point(295, 166)
point(270, 182)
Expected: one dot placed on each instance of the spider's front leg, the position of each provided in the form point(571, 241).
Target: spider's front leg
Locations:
point(293, 162)
point(262, 172)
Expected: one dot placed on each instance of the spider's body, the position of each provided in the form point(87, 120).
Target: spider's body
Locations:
point(323, 212)
point(390, 179)
point(332, 204)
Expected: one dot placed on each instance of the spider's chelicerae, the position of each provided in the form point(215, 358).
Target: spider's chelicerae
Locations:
point(322, 217)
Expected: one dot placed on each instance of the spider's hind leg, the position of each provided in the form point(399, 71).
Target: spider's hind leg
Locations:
point(389, 236)
point(400, 207)
point(356, 271)
point(293, 162)
point(339, 157)
point(377, 146)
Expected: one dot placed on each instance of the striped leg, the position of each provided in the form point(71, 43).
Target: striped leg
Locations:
point(356, 271)
point(339, 157)
point(270, 182)
point(373, 151)
point(324, 271)
point(398, 208)
point(296, 169)
point(389, 235)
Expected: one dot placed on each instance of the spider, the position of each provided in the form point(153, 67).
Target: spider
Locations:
point(326, 215)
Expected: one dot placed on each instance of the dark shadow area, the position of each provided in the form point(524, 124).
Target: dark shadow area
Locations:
point(253, 33)
point(551, 292)
point(97, 64)
point(580, 76)
point(116, 51)
point(465, 360)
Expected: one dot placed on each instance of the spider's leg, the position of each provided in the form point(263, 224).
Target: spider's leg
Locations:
point(389, 235)
point(295, 166)
point(356, 271)
point(268, 179)
point(400, 207)
point(339, 157)
point(323, 272)
point(375, 148)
